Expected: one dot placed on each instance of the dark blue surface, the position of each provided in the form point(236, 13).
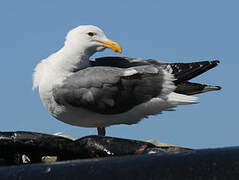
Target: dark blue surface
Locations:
point(200, 164)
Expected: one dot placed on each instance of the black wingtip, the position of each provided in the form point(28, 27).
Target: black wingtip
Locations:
point(186, 71)
point(216, 62)
point(190, 88)
point(218, 87)
point(212, 88)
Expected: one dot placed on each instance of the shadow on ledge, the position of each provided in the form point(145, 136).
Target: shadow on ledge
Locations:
point(131, 159)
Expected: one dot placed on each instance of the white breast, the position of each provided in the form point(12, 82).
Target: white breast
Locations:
point(46, 77)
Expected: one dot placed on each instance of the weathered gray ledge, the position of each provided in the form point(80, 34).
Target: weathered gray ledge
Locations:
point(22, 147)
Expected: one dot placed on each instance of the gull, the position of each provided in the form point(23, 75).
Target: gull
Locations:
point(105, 91)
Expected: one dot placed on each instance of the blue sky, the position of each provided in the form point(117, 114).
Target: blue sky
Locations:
point(172, 31)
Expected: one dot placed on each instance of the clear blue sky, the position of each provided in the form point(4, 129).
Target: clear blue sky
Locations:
point(166, 30)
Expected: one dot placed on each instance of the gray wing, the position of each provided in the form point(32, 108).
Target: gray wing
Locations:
point(183, 72)
point(109, 87)
point(110, 90)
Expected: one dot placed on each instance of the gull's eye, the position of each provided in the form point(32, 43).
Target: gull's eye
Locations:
point(91, 34)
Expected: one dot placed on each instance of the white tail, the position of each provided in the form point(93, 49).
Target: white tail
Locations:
point(180, 99)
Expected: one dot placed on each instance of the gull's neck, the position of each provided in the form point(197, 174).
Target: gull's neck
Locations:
point(60, 65)
point(70, 59)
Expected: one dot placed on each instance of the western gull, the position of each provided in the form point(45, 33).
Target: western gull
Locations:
point(107, 91)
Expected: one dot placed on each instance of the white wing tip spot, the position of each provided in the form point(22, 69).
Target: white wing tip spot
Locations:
point(169, 69)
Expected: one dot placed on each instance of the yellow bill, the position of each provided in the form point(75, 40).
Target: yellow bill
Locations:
point(112, 45)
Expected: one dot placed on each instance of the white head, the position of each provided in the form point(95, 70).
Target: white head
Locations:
point(91, 38)
point(80, 44)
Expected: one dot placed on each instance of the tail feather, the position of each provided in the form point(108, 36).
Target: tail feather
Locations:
point(181, 99)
